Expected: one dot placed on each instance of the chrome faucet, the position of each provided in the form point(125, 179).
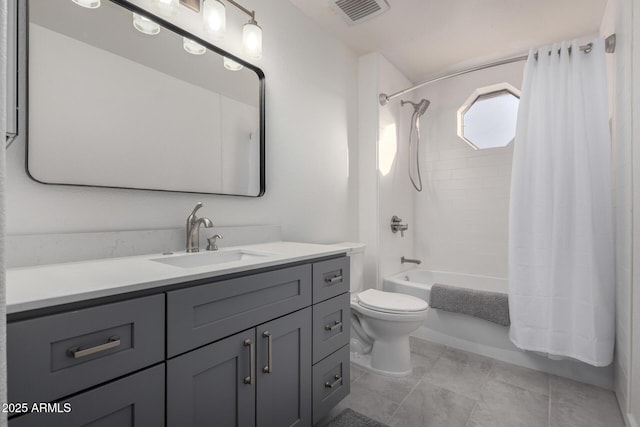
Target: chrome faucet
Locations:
point(410, 260)
point(193, 229)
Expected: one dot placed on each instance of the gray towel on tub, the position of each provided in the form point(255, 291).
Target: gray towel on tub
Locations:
point(491, 306)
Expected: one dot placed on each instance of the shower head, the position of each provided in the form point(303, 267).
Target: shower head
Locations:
point(422, 107)
point(419, 108)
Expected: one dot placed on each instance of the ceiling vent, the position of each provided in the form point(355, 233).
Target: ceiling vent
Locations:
point(357, 11)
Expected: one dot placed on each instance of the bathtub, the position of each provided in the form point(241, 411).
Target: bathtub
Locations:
point(480, 336)
point(418, 282)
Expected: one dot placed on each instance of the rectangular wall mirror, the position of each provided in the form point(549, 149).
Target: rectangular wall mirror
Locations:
point(111, 106)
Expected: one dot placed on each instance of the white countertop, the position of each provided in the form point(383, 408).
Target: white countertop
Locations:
point(43, 286)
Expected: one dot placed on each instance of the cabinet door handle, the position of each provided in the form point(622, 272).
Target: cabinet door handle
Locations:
point(269, 368)
point(335, 325)
point(338, 381)
point(76, 353)
point(334, 279)
point(249, 379)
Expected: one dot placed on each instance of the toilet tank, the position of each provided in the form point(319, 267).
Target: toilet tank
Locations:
point(355, 252)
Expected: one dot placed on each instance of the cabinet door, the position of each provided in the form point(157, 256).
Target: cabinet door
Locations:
point(136, 400)
point(284, 371)
point(214, 385)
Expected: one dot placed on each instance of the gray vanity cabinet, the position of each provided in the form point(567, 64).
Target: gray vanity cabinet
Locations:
point(260, 377)
point(256, 349)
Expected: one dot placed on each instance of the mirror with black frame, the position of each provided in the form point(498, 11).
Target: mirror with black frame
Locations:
point(112, 106)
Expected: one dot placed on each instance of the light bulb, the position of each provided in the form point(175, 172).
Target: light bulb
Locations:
point(167, 8)
point(193, 47)
point(252, 39)
point(214, 19)
point(232, 65)
point(145, 25)
point(89, 4)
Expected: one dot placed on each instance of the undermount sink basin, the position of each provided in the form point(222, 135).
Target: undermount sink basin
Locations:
point(201, 259)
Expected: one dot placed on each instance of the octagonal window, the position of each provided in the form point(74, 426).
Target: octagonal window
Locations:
point(488, 117)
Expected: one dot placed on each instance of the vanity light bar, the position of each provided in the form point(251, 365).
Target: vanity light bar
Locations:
point(214, 24)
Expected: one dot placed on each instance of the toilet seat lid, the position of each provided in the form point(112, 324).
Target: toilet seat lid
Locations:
point(391, 302)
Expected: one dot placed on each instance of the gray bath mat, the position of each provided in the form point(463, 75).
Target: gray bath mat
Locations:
point(351, 418)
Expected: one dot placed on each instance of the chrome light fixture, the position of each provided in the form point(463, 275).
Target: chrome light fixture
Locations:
point(145, 25)
point(89, 4)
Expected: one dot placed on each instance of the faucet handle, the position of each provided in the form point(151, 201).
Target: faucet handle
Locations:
point(397, 225)
point(212, 246)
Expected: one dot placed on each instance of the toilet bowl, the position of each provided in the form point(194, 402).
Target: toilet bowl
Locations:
point(381, 322)
point(387, 319)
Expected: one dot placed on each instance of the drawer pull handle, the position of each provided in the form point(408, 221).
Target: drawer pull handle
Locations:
point(249, 379)
point(338, 381)
point(76, 353)
point(269, 368)
point(335, 325)
point(334, 279)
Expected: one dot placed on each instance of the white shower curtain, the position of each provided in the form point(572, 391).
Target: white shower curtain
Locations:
point(561, 256)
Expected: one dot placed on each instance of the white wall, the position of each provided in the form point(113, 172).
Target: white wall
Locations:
point(633, 11)
point(617, 19)
point(311, 144)
point(385, 187)
point(463, 211)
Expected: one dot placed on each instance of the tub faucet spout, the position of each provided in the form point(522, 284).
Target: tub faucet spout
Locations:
point(409, 260)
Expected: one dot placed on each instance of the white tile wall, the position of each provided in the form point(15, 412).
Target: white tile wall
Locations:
point(462, 216)
point(617, 19)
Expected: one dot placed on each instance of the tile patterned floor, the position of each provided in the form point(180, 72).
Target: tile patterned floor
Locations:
point(451, 388)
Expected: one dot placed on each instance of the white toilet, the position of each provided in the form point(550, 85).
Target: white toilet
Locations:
point(381, 322)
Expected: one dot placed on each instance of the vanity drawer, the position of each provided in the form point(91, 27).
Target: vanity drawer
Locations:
point(331, 382)
point(136, 400)
point(330, 278)
point(331, 324)
point(53, 356)
point(206, 313)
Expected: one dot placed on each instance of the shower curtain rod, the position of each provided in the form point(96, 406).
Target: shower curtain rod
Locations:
point(609, 43)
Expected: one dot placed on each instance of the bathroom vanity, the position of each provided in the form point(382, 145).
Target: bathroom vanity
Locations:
point(259, 341)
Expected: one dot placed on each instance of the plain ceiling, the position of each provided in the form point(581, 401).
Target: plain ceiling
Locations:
point(424, 38)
